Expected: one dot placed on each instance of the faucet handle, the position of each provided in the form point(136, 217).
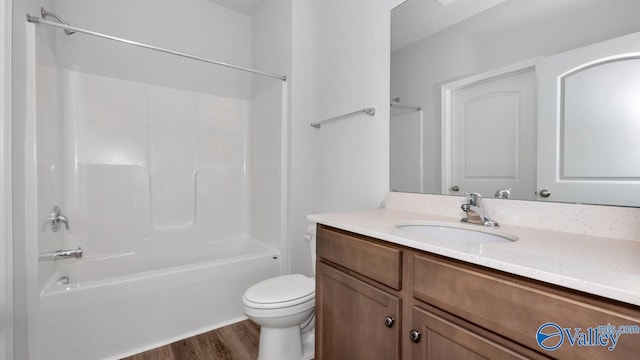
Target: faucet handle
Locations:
point(473, 198)
point(63, 220)
point(503, 193)
point(55, 219)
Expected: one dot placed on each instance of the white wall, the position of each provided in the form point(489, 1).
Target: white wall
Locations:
point(340, 64)
point(493, 39)
point(351, 40)
point(271, 38)
point(197, 27)
point(303, 193)
point(6, 303)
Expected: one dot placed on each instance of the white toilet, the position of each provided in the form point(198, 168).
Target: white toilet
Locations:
point(284, 307)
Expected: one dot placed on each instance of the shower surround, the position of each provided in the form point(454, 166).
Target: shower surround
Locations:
point(173, 190)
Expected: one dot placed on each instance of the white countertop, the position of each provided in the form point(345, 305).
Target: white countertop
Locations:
point(597, 265)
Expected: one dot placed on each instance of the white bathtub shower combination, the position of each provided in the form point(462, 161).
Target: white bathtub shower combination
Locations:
point(121, 305)
point(174, 193)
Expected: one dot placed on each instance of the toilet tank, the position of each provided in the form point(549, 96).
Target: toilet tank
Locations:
point(311, 240)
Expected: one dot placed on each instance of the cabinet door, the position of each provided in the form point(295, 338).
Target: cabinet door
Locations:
point(350, 318)
point(444, 337)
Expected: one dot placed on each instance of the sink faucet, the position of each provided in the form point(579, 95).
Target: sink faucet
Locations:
point(475, 212)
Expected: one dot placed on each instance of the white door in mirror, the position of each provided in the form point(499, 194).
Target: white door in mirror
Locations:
point(492, 121)
point(589, 123)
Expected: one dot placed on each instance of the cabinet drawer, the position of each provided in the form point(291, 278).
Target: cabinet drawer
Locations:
point(516, 307)
point(361, 254)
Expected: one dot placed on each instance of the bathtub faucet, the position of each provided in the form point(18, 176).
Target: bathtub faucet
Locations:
point(61, 254)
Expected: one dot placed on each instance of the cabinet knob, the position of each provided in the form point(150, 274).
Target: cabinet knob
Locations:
point(545, 193)
point(455, 188)
point(389, 321)
point(414, 335)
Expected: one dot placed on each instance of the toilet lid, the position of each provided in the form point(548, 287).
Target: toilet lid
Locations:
point(281, 289)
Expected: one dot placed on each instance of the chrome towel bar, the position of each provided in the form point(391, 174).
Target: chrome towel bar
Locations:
point(368, 111)
point(408, 107)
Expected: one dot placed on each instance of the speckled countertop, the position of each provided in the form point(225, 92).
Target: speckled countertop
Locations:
point(597, 265)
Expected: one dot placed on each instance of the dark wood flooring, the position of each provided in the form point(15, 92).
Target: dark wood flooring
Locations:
point(237, 341)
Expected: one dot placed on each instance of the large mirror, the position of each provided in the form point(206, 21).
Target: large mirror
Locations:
point(532, 100)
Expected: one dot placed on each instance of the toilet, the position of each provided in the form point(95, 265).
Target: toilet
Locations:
point(284, 308)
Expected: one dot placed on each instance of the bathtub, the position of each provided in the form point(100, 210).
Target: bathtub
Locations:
point(115, 306)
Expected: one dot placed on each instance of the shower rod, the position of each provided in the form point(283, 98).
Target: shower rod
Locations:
point(69, 28)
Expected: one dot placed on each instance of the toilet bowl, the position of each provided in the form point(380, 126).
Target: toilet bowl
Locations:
point(284, 308)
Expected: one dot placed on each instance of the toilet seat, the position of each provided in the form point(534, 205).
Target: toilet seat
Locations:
point(280, 292)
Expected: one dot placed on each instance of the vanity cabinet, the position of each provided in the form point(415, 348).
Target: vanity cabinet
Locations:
point(443, 336)
point(357, 304)
point(379, 300)
point(361, 320)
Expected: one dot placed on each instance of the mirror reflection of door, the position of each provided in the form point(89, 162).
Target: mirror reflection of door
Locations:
point(493, 136)
point(590, 123)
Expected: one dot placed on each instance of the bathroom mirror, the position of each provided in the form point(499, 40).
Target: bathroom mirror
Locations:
point(488, 95)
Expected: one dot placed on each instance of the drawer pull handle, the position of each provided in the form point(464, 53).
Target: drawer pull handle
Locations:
point(414, 335)
point(389, 321)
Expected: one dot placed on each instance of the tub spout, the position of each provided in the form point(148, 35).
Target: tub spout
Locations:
point(61, 254)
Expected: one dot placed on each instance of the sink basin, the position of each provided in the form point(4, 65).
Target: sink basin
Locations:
point(458, 233)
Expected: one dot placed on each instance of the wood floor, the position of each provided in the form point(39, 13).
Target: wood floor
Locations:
point(234, 342)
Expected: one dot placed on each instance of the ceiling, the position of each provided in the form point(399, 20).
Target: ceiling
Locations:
point(417, 19)
point(247, 7)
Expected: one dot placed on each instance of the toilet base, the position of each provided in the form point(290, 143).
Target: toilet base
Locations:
point(308, 344)
point(278, 344)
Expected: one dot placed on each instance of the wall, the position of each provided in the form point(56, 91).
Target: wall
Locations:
point(352, 162)
point(493, 39)
point(6, 284)
point(196, 27)
point(303, 193)
point(340, 64)
point(271, 39)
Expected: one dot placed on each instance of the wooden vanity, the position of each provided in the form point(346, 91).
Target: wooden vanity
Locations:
point(380, 300)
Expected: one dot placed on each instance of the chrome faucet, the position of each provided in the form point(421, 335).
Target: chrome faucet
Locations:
point(475, 212)
point(55, 219)
point(61, 254)
point(503, 193)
